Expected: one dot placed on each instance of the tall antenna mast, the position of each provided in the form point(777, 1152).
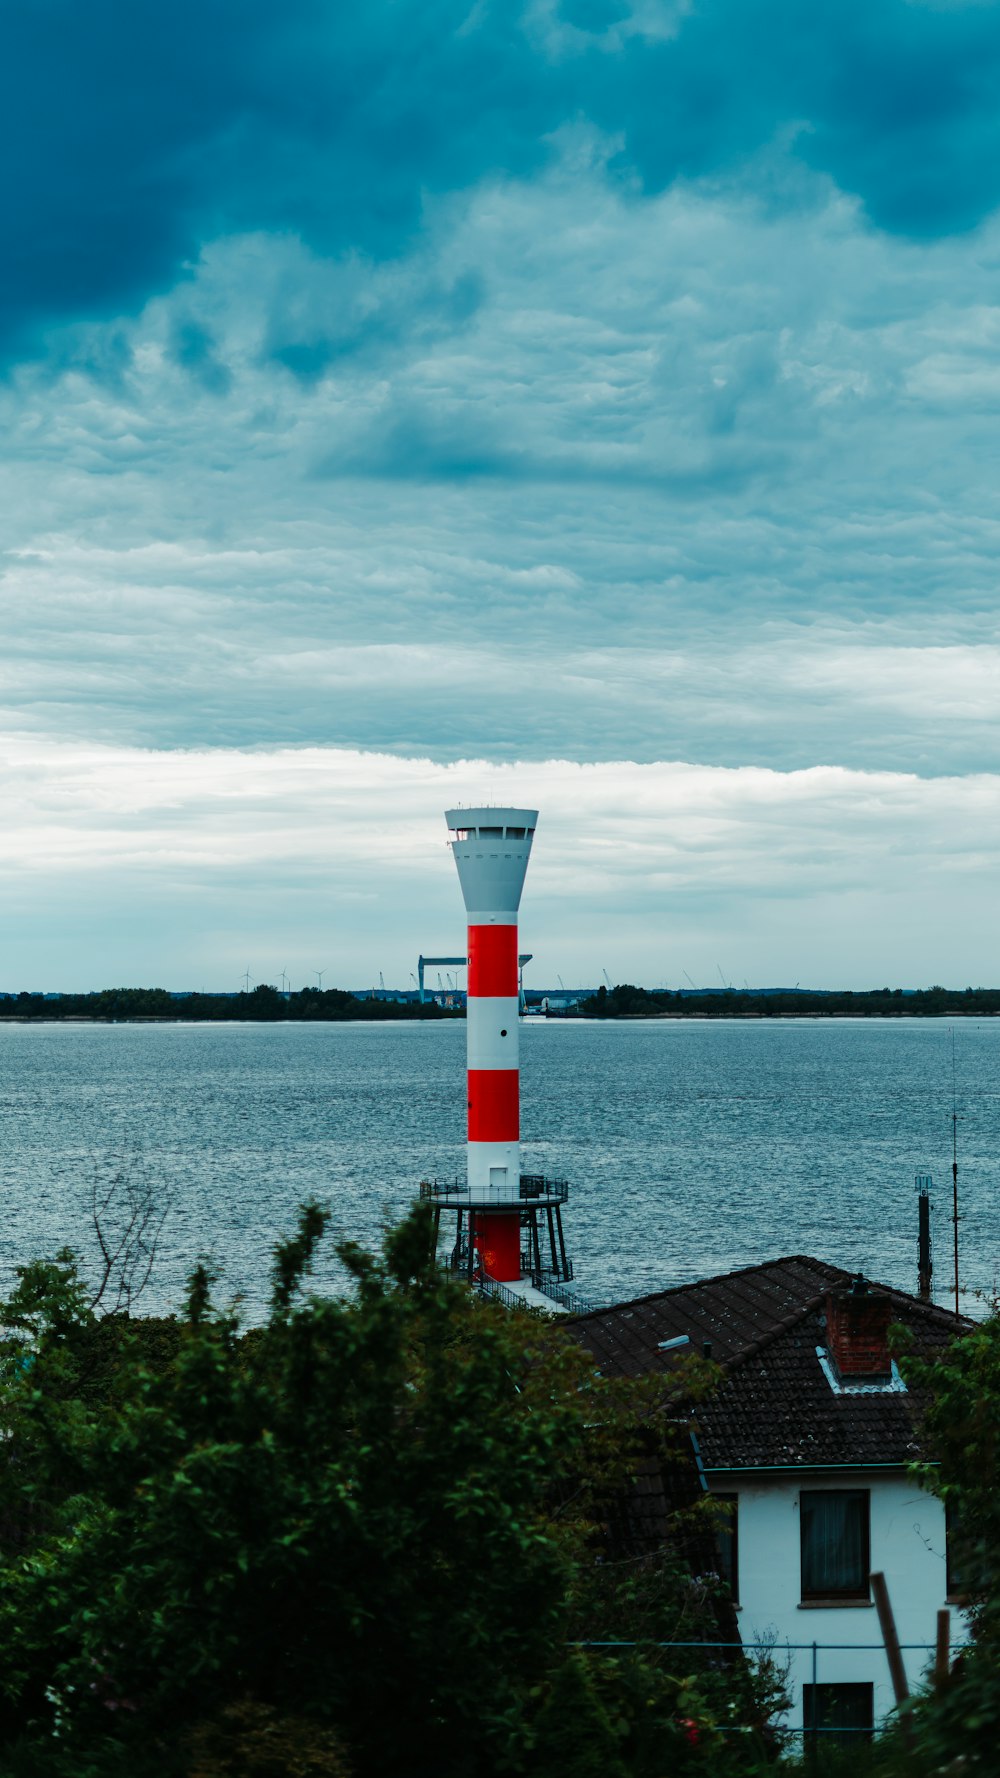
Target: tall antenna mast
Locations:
point(954, 1162)
point(925, 1268)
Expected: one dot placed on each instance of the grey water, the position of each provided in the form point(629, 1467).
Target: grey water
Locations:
point(691, 1148)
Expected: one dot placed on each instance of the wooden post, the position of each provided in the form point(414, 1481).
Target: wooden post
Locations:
point(942, 1651)
point(897, 1672)
point(887, 1625)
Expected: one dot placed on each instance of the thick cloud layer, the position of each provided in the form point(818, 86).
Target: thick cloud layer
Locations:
point(132, 134)
point(596, 380)
point(579, 475)
point(337, 860)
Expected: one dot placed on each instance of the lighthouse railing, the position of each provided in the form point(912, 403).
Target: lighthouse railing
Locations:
point(530, 1188)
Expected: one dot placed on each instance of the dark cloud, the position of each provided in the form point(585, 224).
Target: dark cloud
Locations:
point(894, 102)
point(131, 135)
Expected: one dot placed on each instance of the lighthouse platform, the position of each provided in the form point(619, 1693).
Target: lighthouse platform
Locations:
point(505, 1234)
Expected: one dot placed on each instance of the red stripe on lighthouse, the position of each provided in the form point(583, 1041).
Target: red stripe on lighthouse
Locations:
point(492, 960)
point(493, 1105)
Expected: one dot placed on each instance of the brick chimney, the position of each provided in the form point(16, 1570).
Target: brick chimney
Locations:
point(857, 1323)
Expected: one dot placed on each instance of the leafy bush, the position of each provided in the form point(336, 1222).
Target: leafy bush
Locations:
point(356, 1539)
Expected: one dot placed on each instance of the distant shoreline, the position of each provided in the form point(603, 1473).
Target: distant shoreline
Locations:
point(262, 1005)
point(398, 1017)
point(628, 1002)
point(266, 1005)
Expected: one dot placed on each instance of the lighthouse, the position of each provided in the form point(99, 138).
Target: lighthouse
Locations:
point(491, 849)
point(508, 1224)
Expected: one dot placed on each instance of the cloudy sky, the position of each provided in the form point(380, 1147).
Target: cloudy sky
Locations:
point(585, 401)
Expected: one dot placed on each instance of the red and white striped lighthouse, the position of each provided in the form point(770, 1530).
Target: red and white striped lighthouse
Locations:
point(491, 848)
point(508, 1224)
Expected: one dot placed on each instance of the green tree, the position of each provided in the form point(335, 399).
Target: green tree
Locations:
point(371, 1525)
point(573, 1730)
point(962, 1425)
point(624, 1001)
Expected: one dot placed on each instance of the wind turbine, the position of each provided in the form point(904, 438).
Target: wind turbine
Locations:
point(319, 974)
point(246, 979)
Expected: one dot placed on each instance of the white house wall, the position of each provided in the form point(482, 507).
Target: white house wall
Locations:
point(907, 1544)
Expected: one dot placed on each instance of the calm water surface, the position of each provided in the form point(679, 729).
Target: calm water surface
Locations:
point(691, 1147)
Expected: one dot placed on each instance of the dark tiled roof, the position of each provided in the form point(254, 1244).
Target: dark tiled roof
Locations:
point(775, 1405)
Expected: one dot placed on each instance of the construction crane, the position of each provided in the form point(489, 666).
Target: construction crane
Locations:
point(461, 963)
point(422, 963)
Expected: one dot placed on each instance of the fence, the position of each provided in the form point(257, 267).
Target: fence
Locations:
point(812, 1649)
point(543, 1282)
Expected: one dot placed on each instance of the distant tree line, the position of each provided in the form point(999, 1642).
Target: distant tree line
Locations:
point(628, 1001)
point(262, 1002)
point(337, 1005)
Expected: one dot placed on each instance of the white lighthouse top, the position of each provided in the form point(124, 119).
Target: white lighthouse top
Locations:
point(464, 819)
point(491, 848)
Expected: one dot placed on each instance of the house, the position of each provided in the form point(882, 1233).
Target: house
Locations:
point(809, 1438)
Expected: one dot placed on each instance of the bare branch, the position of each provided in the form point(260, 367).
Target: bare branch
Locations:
point(128, 1209)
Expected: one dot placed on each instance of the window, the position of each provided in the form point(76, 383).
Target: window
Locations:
point(838, 1713)
point(491, 833)
point(835, 1552)
point(727, 1536)
point(515, 833)
point(965, 1574)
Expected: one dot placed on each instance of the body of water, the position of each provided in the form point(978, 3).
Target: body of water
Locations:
point(691, 1147)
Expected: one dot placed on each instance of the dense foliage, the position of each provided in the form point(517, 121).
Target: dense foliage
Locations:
point(622, 1002)
point(336, 1005)
point(963, 1430)
point(263, 1003)
point(627, 1001)
point(361, 1539)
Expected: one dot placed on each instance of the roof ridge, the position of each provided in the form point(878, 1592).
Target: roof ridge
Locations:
point(932, 1311)
point(764, 1265)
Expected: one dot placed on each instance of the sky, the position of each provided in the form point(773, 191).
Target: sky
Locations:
point(585, 402)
